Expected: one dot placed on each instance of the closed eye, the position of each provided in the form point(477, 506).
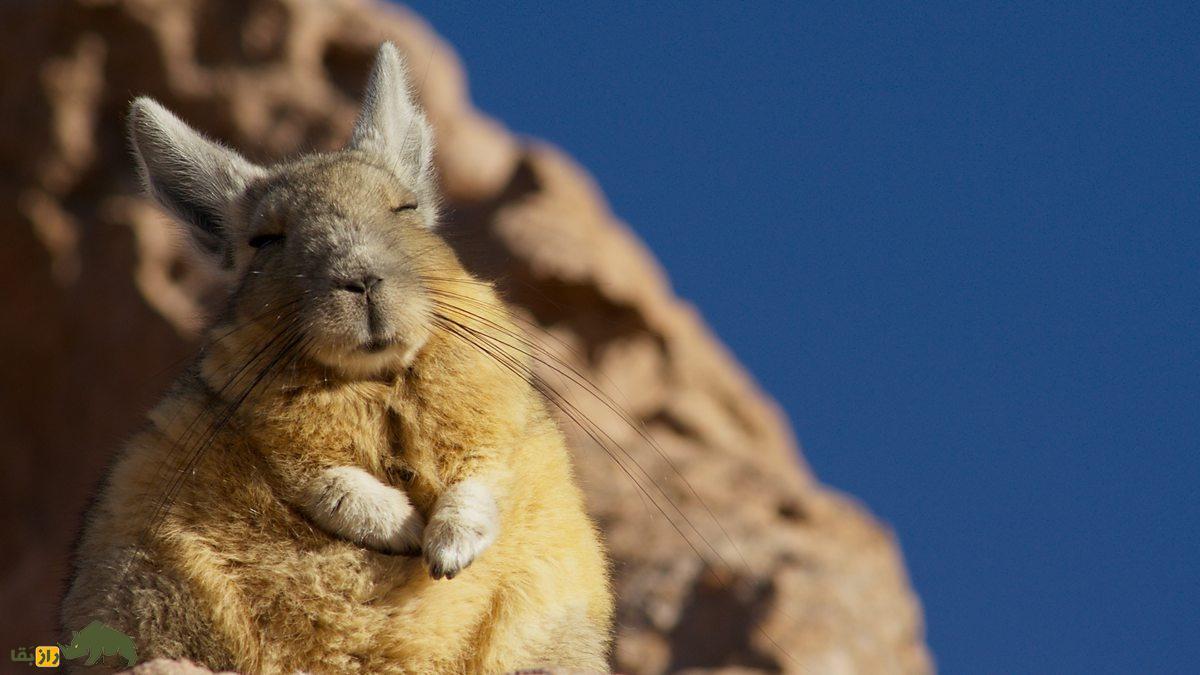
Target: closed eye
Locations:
point(404, 207)
point(261, 240)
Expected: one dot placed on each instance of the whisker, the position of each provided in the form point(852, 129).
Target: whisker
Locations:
point(596, 433)
point(191, 452)
point(555, 363)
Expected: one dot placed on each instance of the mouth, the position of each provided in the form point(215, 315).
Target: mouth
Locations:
point(377, 345)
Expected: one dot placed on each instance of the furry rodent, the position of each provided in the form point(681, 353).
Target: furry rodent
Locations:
point(353, 476)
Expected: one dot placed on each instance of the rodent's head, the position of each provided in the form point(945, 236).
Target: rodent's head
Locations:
point(337, 242)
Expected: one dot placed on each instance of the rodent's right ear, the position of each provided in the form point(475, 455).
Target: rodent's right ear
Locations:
point(194, 178)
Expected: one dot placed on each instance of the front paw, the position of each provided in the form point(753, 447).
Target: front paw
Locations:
point(350, 503)
point(464, 523)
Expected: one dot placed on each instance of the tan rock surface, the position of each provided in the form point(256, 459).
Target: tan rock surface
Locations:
point(102, 304)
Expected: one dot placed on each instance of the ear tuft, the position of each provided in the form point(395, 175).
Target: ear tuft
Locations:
point(392, 127)
point(194, 178)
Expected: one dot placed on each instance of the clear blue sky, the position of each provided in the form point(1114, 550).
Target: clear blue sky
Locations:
point(961, 245)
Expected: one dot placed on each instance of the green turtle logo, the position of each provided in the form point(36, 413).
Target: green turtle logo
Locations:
point(96, 641)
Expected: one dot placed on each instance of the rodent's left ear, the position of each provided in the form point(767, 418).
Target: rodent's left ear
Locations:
point(392, 126)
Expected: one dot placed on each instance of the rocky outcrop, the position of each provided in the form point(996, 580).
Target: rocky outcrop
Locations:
point(101, 304)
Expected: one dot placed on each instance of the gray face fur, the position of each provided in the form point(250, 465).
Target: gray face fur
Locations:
point(340, 239)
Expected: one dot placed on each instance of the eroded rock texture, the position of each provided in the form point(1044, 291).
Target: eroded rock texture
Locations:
point(102, 303)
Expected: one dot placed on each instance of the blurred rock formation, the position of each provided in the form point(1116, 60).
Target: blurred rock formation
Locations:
point(102, 305)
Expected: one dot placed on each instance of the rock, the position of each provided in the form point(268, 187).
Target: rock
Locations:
point(103, 304)
point(185, 667)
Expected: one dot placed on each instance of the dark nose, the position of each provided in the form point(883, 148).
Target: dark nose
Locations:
point(364, 284)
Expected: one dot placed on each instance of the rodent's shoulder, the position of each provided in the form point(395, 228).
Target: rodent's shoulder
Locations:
point(187, 399)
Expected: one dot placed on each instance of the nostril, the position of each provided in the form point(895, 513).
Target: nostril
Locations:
point(364, 284)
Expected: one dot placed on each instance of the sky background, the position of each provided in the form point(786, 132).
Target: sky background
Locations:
point(961, 246)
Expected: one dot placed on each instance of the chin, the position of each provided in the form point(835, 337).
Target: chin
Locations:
point(367, 361)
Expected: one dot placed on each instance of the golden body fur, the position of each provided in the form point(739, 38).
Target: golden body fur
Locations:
point(259, 561)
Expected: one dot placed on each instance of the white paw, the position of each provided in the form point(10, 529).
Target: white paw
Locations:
point(464, 523)
point(349, 502)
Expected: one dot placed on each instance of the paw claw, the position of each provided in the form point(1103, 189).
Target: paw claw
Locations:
point(464, 523)
point(449, 549)
point(437, 572)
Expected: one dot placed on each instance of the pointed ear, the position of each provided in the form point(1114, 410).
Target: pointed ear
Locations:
point(391, 126)
point(192, 177)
